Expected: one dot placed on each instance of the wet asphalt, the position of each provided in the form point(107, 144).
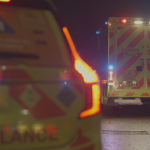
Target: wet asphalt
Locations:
point(127, 129)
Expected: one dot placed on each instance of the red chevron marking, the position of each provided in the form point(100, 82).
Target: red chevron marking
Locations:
point(111, 35)
point(120, 56)
point(137, 40)
point(145, 94)
point(125, 35)
point(129, 63)
point(111, 49)
point(129, 94)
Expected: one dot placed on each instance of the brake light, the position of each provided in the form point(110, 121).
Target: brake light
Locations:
point(110, 75)
point(124, 21)
point(92, 100)
point(87, 72)
point(104, 81)
point(5, 0)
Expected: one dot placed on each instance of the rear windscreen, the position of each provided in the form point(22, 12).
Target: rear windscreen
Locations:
point(31, 35)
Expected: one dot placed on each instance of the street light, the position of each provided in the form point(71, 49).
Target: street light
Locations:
point(98, 32)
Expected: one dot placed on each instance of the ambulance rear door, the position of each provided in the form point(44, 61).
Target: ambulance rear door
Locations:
point(130, 58)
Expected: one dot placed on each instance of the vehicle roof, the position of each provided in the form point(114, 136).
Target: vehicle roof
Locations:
point(38, 4)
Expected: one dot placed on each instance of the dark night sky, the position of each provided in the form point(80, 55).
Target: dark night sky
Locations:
point(84, 17)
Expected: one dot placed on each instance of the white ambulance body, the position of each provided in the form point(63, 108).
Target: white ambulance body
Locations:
point(128, 63)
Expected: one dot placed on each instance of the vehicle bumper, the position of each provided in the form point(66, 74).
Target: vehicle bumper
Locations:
point(87, 137)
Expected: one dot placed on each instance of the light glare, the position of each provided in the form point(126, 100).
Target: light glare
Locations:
point(138, 22)
point(25, 111)
point(4, 0)
point(110, 75)
point(111, 67)
point(124, 21)
point(89, 77)
point(87, 72)
point(96, 102)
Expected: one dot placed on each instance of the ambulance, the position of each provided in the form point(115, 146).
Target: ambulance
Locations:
point(49, 97)
point(128, 63)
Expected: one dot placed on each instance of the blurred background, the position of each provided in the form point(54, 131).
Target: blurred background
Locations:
point(84, 17)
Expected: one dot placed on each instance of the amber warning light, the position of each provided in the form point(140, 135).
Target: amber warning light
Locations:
point(89, 77)
point(5, 0)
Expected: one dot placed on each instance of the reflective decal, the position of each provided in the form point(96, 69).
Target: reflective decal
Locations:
point(5, 28)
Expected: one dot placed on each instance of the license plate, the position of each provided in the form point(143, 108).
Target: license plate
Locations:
point(129, 84)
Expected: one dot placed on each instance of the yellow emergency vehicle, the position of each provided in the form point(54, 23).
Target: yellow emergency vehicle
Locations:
point(128, 63)
point(49, 97)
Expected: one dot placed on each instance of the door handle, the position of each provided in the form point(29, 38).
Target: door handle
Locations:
point(148, 59)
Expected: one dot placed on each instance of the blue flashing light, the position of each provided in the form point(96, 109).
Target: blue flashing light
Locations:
point(98, 32)
point(106, 22)
point(110, 67)
point(65, 82)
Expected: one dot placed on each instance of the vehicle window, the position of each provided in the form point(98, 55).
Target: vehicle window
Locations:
point(31, 36)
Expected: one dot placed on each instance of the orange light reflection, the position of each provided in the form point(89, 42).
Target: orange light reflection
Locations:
point(96, 102)
point(124, 21)
point(87, 72)
point(104, 81)
point(89, 77)
point(5, 0)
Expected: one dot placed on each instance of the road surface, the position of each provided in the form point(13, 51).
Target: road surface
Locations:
point(127, 129)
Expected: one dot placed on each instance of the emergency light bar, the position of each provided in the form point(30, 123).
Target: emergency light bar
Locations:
point(138, 22)
point(124, 21)
point(106, 22)
point(110, 67)
point(5, 0)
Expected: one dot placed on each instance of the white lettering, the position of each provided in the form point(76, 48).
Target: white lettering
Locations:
point(130, 50)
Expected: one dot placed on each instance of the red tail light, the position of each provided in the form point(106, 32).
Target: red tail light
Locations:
point(5, 0)
point(92, 101)
point(110, 75)
point(109, 24)
point(104, 81)
point(124, 21)
point(89, 77)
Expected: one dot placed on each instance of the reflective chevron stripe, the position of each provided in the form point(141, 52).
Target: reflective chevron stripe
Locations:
point(136, 40)
point(111, 35)
point(42, 108)
point(129, 94)
point(111, 49)
point(126, 35)
point(129, 48)
point(128, 64)
point(139, 94)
